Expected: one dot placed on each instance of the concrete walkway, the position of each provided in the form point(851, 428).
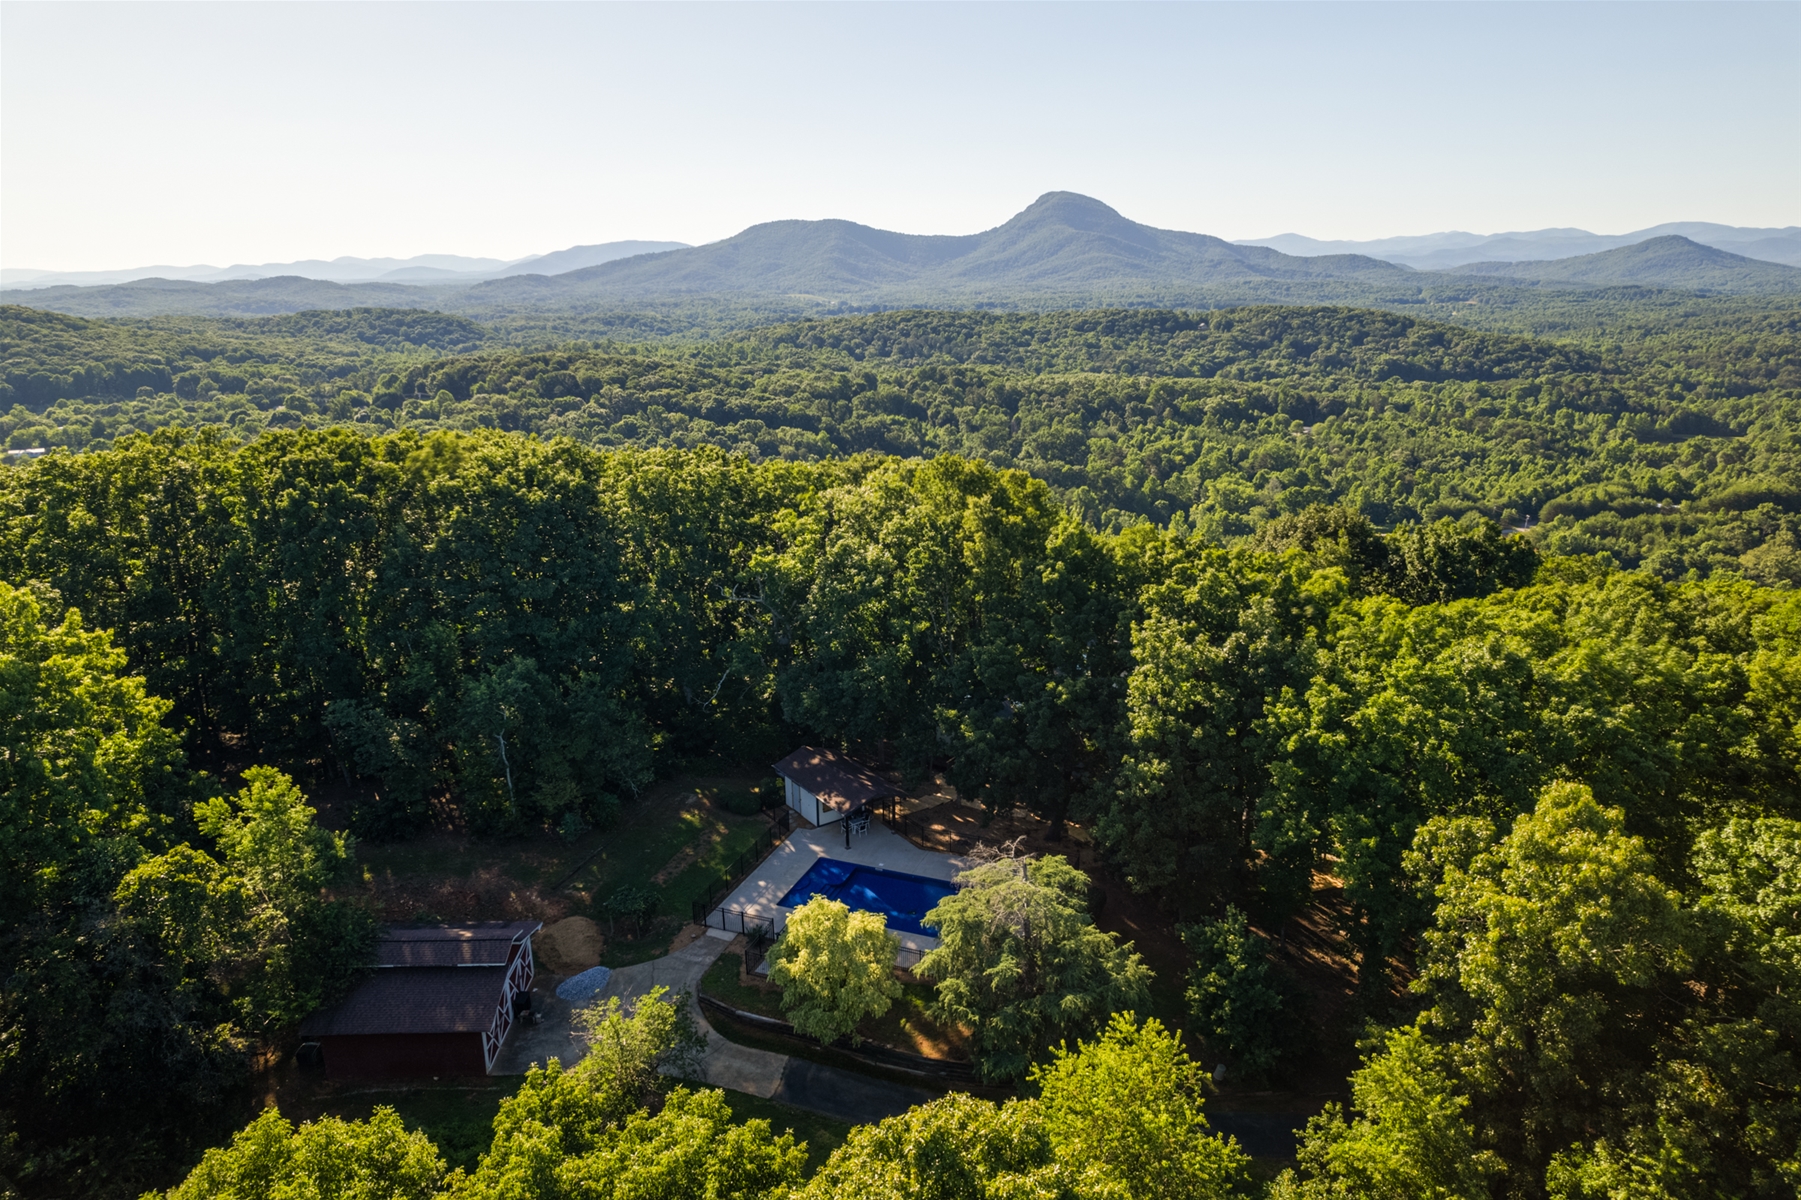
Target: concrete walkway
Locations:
point(830, 1091)
point(555, 1034)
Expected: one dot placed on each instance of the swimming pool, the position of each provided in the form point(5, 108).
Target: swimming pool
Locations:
point(903, 899)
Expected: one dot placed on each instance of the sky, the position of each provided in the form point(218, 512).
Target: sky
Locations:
point(245, 133)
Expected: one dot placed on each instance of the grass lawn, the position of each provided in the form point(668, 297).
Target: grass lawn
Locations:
point(910, 1025)
point(821, 1134)
point(721, 983)
point(907, 1025)
point(672, 847)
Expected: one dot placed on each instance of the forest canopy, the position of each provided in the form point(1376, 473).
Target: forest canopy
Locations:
point(1244, 594)
point(1676, 450)
point(1439, 716)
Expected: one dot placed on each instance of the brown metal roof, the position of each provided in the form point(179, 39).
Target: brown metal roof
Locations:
point(490, 943)
point(421, 1000)
point(841, 782)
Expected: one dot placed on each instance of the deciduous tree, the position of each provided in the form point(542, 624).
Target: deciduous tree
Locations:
point(835, 968)
point(1232, 993)
point(326, 1159)
point(1020, 961)
point(1126, 1112)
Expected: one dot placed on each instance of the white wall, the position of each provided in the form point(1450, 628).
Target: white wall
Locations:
point(807, 804)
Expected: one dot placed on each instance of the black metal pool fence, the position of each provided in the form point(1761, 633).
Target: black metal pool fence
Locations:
point(741, 866)
point(760, 934)
point(909, 827)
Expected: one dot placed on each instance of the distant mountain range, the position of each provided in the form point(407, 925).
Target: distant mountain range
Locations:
point(1062, 244)
point(422, 268)
point(1064, 250)
point(1442, 251)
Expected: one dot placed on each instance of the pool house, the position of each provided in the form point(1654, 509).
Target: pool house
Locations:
point(824, 786)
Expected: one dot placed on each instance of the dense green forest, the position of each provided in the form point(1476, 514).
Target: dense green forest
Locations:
point(1676, 449)
point(1234, 590)
point(1560, 795)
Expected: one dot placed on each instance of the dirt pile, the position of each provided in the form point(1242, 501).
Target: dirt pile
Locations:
point(571, 945)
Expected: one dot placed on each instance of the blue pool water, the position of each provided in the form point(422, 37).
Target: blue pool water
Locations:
point(903, 899)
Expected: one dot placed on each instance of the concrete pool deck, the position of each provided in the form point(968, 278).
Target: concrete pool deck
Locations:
point(880, 847)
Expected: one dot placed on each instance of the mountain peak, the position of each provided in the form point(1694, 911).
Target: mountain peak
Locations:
point(1071, 209)
point(1668, 242)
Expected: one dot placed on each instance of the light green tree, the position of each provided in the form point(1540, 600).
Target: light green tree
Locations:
point(255, 920)
point(835, 967)
point(1410, 1138)
point(1118, 1118)
point(952, 1148)
point(689, 1149)
point(1591, 1033)
point(1125, 1110)
point(88, 772)
point(1676, 704)
point(632, 1047)
point(1720, 1114)
point(1020, 961)
point(267, 835)
point(327, 1159)
point(588, 1132)
point(1546, 966)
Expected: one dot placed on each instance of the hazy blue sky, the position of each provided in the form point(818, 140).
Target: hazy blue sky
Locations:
point(149, 133)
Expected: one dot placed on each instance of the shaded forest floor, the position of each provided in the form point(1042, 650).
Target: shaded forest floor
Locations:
point(1317, 965)
point(674, 841)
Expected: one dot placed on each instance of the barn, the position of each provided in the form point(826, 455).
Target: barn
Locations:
point(824, 787)
point(440, 1001)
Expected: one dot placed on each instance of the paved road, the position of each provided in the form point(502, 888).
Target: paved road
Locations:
point(830, 1091)
point(1261, 1135)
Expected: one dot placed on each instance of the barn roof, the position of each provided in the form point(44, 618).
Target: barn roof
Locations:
point(489, 943)
point(421, 1000)
point(445, 979)
point(844, 783)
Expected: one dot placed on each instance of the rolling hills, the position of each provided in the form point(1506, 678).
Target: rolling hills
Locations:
point(575, 258)
point(1452, 249)
point(421, 268)
point(228, 298)
point(1671, 261)
point(1672, 451)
